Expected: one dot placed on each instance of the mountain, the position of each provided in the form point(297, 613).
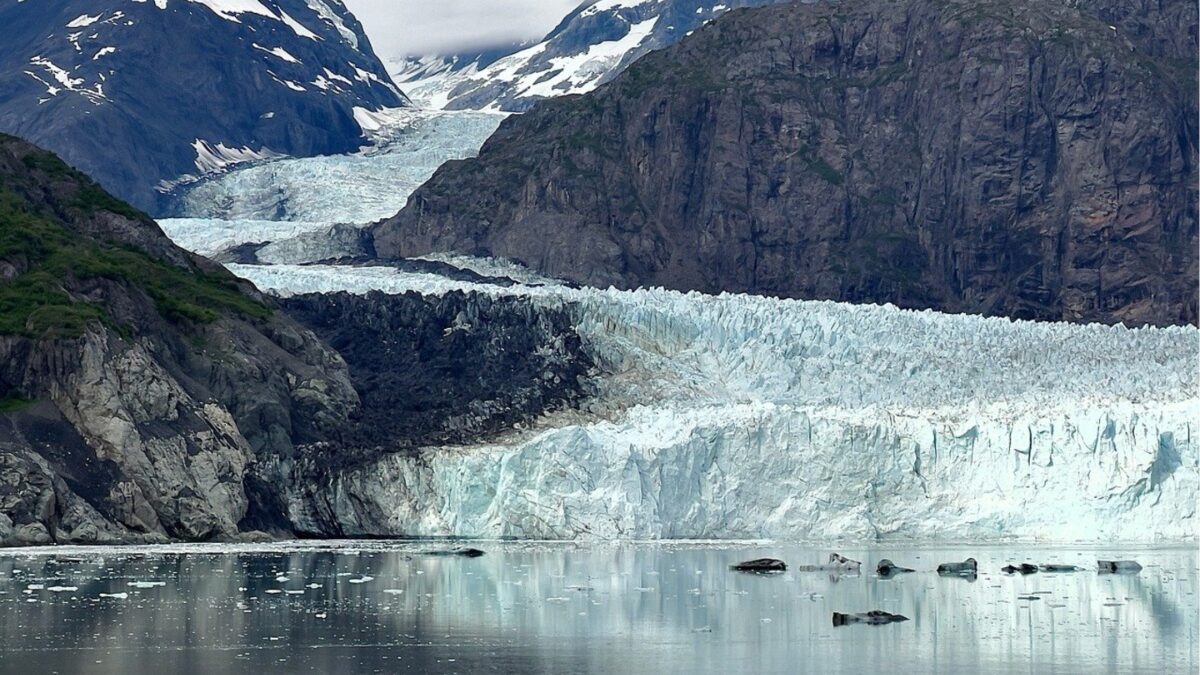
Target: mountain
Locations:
point(144, 95)
point(145, 393)
point(589, 47)
point(427, 79)
point(1034, 160)
point(148, 395)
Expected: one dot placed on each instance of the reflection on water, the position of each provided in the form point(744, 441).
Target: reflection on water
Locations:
point(533, 608)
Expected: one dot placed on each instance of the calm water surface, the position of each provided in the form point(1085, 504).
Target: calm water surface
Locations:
point(555, 608)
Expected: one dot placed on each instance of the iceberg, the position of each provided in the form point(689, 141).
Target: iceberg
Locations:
point(745, 417)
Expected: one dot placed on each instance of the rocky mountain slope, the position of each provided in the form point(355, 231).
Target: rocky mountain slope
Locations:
point(1034, 160)
point(145, 391)
point(148, 395)
point(589, 47)
point(145, 94)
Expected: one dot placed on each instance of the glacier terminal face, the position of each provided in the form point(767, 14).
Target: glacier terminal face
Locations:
point(749, 417)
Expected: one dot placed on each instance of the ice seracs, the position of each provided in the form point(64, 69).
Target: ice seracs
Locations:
point(874, 423)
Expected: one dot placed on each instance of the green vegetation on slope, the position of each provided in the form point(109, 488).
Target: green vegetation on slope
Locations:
point(36, 302)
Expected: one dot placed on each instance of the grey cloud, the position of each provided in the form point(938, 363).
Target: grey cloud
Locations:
point(399, 27)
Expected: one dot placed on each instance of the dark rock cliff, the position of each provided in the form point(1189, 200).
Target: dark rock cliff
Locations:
point(1027, 159)
point(452, 369)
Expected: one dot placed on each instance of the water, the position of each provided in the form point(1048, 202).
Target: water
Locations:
point(561, 608)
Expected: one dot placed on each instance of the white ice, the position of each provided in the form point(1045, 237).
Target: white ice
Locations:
point(345, 189)
point(747, 417)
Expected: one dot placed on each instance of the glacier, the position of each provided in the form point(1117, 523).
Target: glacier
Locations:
point(374, 184)
point(744, 417)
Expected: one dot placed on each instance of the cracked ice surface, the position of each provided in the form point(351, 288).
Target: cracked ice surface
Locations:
point(360, 188)
point(744, 417)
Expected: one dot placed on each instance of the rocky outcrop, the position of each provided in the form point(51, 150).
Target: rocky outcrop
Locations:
point(1034, 160)
point(143, 95)
point(433, 371)
point(145, 393)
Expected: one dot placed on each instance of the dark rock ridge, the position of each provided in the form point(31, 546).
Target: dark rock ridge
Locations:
point(590, 46)
point(1034, 160)
point(147, 395)
point(144, 391)
point(452, 369)
point(138, 93)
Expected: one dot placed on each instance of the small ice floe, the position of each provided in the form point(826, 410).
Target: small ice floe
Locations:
point(36, 587)
point(273, 591)
point(837, 563)
point(313, 586)
point(282, 579)
point(557, 599)
point(361, 580)
point(644, 589)
point(322, 615)
point(115, 596)
point(394, 591)
point(146, 584)
point(63, 589)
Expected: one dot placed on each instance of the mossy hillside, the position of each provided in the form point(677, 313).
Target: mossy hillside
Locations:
point(37, 303)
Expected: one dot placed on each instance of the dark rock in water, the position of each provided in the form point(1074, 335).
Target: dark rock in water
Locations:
point(142, 95)
point(967, 567)
point(1023, 568)
point(1119, 566)
point(1060, 568)
point(886, 568)
point(458, 552)
point(873, 618)
point(863, 152)
point(761, 565)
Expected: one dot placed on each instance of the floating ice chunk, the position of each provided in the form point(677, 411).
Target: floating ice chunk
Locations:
point(115, 596)
point(394, 591)
point(146, 584)
point(63, 589)
point(361, 580)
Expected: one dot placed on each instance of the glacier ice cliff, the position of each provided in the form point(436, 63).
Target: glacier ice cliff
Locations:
point(745, 417)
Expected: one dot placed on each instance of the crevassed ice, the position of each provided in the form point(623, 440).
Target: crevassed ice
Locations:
point(745, 417)
point(345, 188)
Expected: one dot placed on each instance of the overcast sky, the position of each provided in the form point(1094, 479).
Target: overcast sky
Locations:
point(398, 27)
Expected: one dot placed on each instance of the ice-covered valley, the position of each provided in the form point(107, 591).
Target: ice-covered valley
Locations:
point(748, 417)
point(375, 184)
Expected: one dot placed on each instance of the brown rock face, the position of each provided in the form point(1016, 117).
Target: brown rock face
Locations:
point(1028, 159)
